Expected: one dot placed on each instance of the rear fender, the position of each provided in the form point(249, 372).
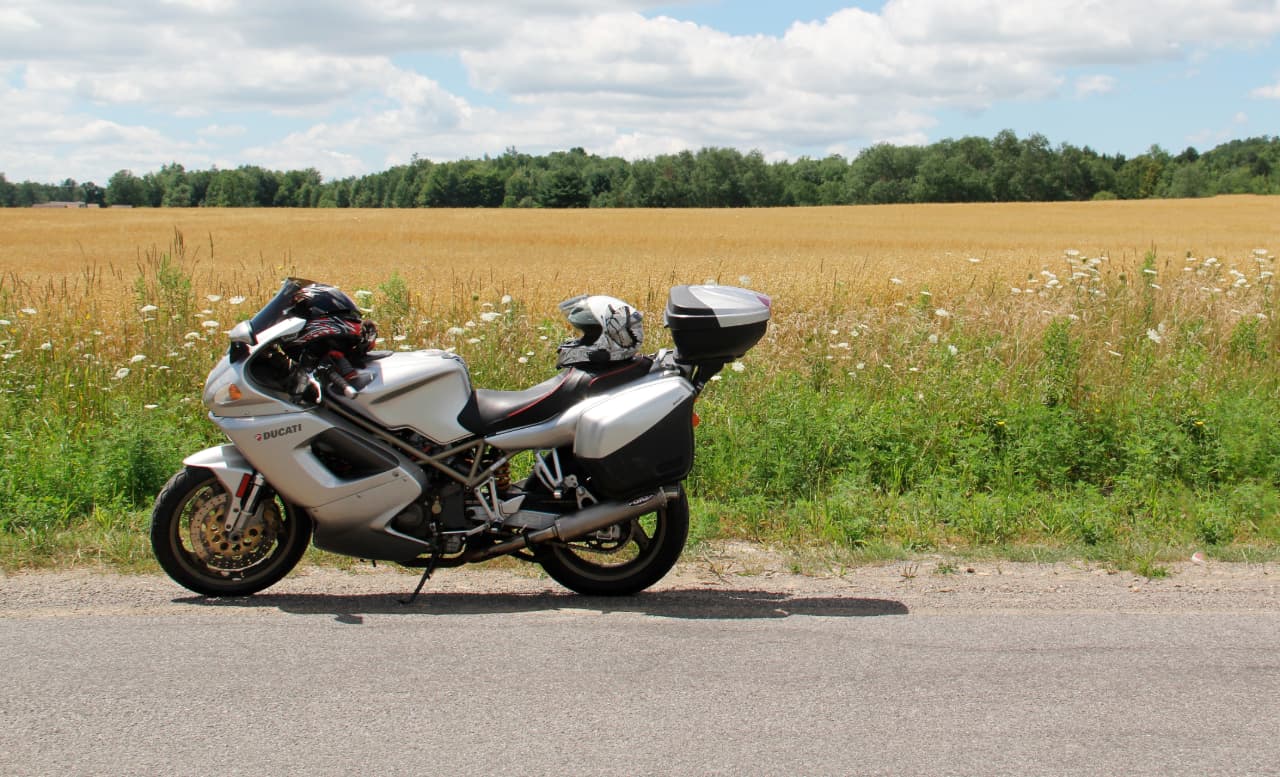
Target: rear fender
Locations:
point(226, 462)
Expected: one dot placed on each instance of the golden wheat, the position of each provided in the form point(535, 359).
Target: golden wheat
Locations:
point(943, 247)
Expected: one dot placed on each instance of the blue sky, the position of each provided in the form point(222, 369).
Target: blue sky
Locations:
point(354, 86)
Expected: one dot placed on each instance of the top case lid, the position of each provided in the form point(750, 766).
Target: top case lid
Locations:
point(715, 307)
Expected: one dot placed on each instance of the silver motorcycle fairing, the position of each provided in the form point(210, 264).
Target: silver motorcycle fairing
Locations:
point(251, 400)
point(640, 403)
point(352, 515)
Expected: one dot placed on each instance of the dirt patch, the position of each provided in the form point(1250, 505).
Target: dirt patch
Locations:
point(920, 586)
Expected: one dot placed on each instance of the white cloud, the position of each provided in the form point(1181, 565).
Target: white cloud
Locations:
point(1087, 86)
point(338, 79)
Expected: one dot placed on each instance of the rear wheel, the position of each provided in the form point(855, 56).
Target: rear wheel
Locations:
point(193, 547)
point(623, 559)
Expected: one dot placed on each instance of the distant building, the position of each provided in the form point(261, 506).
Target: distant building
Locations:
point(59, 205)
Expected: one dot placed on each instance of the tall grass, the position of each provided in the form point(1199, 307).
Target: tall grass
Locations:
point(1117, 410)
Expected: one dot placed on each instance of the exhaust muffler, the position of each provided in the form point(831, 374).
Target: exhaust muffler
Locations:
point(585, 521)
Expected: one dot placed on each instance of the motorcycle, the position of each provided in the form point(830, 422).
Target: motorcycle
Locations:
point(396, 457)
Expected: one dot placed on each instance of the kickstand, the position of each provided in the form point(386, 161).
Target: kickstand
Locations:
point(426, 575)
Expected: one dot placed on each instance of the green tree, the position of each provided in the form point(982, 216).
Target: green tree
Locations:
point(124, 188)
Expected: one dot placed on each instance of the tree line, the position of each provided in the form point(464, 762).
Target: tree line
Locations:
point(972, 169)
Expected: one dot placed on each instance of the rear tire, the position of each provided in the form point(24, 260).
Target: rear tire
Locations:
point(643, 552)
point(189, 541)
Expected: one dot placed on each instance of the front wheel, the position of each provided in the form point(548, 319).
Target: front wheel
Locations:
point(189, 540)
point(623, 559)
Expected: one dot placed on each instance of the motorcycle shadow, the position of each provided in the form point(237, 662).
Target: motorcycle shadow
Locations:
point(696, 604)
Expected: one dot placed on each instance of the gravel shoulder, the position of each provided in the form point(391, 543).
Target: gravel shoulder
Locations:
point(716, 582)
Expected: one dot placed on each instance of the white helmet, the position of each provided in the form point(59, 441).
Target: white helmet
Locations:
point(611, 331)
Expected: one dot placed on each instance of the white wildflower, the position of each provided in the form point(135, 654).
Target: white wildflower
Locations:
point(363, 294)
point(454, 331)
point(470, 325)
point(193, 336)
point(474, 340)
point(122, 373)
point(209, 324)
point(860, 366)
point(148, 309)
point(739, 367)
point(490, 316)
point(715, 377)
point(506, 299)
point(214, 297)
point(29, 311)
point(942, 313)
point(236, 300)
point(1155, 336)
point(896, 281)
point(744, 279)
point(1114, 353)
point(1015, 290)
point(46, 346)
point(951, 349)
point(137, 357)
point(522, 360)
point(150, 407)
point(974, 260)
point(400, 338)
point(5, 322)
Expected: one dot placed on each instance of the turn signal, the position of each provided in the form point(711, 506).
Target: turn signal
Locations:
point(696, 420)
point(233, 392)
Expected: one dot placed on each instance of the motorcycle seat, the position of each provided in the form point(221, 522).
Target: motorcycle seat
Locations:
point(490, 411)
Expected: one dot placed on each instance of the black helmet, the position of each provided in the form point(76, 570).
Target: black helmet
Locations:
point(319, 300)
point(333, 322)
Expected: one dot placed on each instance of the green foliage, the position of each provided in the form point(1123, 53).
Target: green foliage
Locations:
point(966, 437)
point(971, 169)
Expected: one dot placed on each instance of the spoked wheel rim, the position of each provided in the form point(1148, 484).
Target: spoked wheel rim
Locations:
point(616, 550)
point(204, 540)
point(623, 559)
point(193, 545)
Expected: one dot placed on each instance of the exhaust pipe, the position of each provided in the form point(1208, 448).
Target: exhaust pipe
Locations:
point(585, 521)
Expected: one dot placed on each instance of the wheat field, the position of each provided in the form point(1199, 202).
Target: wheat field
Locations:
point(793, 252)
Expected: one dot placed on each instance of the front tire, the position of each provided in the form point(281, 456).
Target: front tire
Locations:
point(189, 542)
point(625, 558)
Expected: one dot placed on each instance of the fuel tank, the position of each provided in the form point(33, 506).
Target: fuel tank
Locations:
point(419, 390)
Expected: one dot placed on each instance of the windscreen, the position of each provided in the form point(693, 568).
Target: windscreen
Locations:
point(277, 309)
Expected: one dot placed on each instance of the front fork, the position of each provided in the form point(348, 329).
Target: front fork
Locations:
point(245, 484)
point(246, 503)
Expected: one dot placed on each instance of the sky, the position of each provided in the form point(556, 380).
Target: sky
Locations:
point(355, 86)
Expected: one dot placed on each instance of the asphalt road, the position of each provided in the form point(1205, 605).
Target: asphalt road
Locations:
point(889, 673)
